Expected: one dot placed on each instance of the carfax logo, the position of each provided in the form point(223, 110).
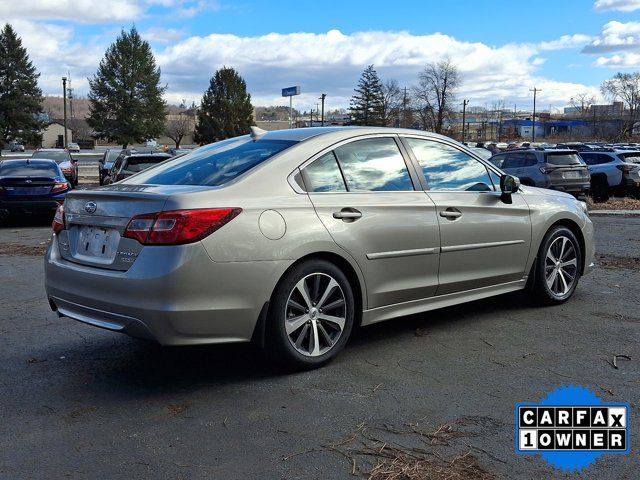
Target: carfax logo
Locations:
point(571, 428)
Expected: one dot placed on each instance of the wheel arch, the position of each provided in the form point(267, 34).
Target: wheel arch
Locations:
point(577, 231)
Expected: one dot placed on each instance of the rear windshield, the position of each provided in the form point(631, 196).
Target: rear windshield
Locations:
point(24, 170)
point(137, 164)
point(633, 157)
point(213, 165)
point(59, 157)
point(563, 159)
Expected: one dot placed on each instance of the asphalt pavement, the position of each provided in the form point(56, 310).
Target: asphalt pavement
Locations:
point(78, 402)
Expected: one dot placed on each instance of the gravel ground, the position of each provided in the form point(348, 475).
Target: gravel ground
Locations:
point(78, 402)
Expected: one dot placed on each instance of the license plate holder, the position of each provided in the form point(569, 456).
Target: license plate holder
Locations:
point(97, 243)
point(571, 175)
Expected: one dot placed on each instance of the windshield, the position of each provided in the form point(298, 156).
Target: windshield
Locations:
point(213, 165)
point(563, 159)
point(59, 157)
point(28, 170)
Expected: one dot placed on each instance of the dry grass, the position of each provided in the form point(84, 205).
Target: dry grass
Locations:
point(23, 250)
point(614, 204)
point(403, 468)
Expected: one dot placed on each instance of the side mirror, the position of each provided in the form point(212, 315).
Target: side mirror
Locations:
point(508, 186)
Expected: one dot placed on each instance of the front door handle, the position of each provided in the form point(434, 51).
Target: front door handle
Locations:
point(451, 213)
point(347, 214)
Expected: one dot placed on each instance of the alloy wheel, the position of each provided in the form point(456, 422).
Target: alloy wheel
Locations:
point(561, 266)
point(315, 314)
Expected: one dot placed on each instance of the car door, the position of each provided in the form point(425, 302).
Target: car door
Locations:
point(363, 192)
point(483, 241)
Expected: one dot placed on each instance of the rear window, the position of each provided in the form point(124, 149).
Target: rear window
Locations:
point(563, 159)
point(596, 158)
point(138, 164)
point(59, 157)
point(633, 157)
point(215, 164)
point(24, 170)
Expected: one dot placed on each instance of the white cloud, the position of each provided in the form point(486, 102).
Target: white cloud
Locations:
point(620, 5)
point(162, 35)
point(618, 45)
point(82, 11)
point(332, 62)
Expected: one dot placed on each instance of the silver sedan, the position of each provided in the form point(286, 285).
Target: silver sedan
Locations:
point(291, 238)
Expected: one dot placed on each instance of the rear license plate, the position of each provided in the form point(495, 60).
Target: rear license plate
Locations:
point(98, 243)
point(574, 174)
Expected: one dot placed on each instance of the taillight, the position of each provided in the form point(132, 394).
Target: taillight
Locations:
point(547, 169)
point(178, 227)
point(59, 187)
point(58, 221)
point(626, 168)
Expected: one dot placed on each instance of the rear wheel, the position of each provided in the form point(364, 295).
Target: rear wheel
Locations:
point(557, 266)
point(599, 190)
point(311, 315)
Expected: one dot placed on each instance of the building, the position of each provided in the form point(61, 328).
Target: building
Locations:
point(616, 109)
point(53, 135)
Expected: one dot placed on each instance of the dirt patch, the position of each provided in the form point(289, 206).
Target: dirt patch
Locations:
point(616, 261)
point(23, 250)
point(400, 468)
point(614, 204)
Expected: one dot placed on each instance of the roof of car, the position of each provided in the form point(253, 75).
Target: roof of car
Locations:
point(51, 150)
point(301, 134)
point(29, 161)
point(149, 154)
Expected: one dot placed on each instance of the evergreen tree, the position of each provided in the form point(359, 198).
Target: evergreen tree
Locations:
point(226, 109)
point(20, 97)
point(125, 95)
point(367, 103)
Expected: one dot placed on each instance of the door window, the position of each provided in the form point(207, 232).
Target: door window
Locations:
point(374, 164)
point(323, 175)
point(447, 168)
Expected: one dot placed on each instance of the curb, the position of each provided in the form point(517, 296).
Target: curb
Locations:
point(620, 213)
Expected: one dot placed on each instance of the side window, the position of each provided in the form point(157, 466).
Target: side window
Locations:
point(447, 168)
point(530, 160)
point(589, 158)
point(374, 164)
point(498, 160)
point(323, 175)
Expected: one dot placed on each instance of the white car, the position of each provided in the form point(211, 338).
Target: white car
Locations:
point(73, 147)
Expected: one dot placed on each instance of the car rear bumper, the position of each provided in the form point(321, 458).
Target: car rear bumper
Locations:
point(174, 295)
point(31, 206)
point(572, 188)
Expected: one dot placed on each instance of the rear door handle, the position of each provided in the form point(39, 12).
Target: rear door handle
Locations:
point(451, 213)
point(347, 214)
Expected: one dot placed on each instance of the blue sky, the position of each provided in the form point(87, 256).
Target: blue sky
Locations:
point(502, 48)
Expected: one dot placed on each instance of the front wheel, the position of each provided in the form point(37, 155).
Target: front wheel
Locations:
point(311, 315)
point(558, 266)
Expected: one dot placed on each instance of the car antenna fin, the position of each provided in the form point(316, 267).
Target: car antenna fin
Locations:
point(257, 133)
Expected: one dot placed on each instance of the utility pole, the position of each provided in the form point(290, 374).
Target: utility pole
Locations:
point(464, 116)
point(322, 97)
point(64, 109)
point(533, 118)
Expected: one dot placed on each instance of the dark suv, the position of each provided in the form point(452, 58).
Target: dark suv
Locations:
point(561, 170)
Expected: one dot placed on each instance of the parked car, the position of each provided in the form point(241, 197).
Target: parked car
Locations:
point(554, 169)
point(73, 147)
point(106, 162)
point(127, 165)
point(16, 146)
point(576, 146)
point(481, 152)
point(291, 238)
point(612, 173)
point(31, 186)
point(63, 158)
point(174, 152)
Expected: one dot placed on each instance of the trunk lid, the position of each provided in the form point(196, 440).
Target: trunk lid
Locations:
point(26, 186)
point(96, 219)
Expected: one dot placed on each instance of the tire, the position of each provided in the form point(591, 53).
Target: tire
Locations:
point(554, 282)
point(599, 190)
point(293, 344)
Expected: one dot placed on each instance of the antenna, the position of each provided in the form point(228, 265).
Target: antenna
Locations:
point(257, 133)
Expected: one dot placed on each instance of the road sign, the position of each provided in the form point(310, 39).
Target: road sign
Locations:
point(291, 91)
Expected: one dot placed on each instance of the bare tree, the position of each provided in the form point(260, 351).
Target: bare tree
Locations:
point(391, 102)
point(581, 103)
point(626, 88)
point(435, 93)
point(178, 126)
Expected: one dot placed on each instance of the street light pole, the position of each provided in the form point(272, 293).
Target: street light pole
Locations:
point(64, 109)
point(464, 116)
point(533, 118)
point(322, 97)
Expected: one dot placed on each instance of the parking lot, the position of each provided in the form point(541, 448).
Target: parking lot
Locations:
point(440, 386)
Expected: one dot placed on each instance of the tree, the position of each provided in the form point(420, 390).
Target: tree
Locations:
point(178, 126)
point(367, 102)
point(581, 103)
point(226, 109)
point(125, 95)
point(20, 97)
point(435, 93)
point(392, 102)
point(626, 88)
